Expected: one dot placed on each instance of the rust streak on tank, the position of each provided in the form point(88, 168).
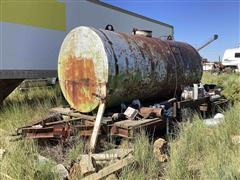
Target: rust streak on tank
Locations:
point(80, 80)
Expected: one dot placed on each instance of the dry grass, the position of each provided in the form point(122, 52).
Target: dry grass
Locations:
point(146, 166)
point(20, 160)
point(35, 94)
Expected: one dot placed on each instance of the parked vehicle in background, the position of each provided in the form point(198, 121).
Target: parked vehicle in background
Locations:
point(208, 66)
point(231, 59)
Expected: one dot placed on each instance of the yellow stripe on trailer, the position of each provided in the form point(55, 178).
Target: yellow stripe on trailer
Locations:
point(47, 14)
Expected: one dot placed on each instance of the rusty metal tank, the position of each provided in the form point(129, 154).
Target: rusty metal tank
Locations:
point(97, 64)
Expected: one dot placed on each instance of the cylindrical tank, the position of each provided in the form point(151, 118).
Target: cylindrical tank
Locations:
point(119, 67)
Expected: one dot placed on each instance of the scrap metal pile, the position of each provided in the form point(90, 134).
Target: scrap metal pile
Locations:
point(62, 123)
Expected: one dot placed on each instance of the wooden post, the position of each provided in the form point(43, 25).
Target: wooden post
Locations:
point(96, 127)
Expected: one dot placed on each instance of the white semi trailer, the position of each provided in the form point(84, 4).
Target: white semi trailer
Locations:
point(32, 32)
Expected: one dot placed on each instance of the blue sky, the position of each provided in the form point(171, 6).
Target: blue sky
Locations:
point(194, 21)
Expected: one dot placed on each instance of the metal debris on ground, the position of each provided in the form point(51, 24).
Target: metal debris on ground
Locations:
point(59, 126)
point(129, 128)
point(66, 122)
point(131, 113)
point(147, 112)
